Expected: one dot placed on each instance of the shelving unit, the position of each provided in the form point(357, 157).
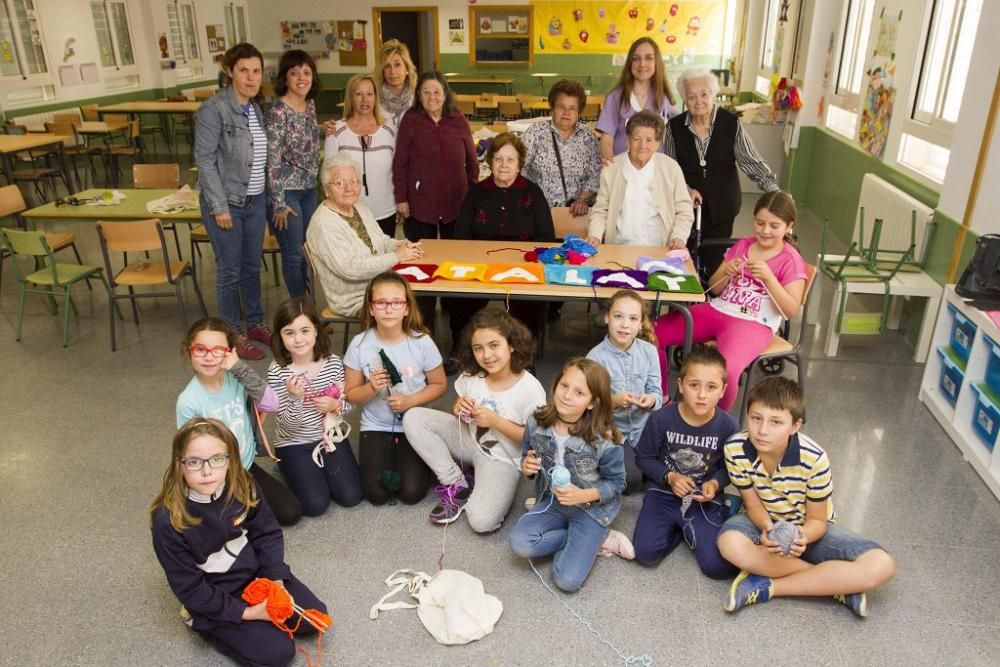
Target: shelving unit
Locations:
point(957, 420)
point(501, 35)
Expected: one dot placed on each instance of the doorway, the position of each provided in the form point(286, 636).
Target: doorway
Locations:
point(417, 27)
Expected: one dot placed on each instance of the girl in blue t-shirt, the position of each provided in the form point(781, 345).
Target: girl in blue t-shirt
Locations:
point(390, 367)
point(220, 389)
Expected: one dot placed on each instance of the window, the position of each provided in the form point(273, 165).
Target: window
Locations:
point(21, 51)
point(236, 23)
point(854, 47)
point(184, 39)
point(770, 30)
point(946, 60)
point(111, 24)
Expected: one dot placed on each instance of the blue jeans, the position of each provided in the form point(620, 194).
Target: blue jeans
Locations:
point(836, 544)
point(660, 528)
point(568, 532)
point(291, 238)
point(339, 478)
point(237, 260)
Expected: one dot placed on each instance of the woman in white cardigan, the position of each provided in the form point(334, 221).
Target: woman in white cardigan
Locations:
point(345, 241)
point(643, 198)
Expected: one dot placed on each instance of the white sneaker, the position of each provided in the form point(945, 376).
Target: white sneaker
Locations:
point(617, 544)
point(529, 503)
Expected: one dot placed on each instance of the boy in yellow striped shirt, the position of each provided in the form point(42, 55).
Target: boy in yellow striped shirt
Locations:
point(782, 474)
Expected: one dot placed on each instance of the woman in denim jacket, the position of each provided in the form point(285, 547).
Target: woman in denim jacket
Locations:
point(230, 150)
point(576, 430)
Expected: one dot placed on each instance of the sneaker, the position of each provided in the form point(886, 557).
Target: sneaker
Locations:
point(453, 500)
point(856, 602)
point(246, 350)
point(259, 333)
point(529, 503)
point(617, 544)
point(748, 589)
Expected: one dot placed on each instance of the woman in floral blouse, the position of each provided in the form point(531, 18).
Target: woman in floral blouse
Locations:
point(294, 140)
point(563, 155)
point(504, 206)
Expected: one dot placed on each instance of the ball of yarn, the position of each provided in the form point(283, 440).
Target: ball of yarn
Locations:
point(465, 417)
point(784, 533)
point(573, 257)
point(560, 476)
point(531, 256)
point(390, 480)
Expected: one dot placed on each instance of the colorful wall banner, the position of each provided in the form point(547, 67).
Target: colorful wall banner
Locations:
point(688, 28)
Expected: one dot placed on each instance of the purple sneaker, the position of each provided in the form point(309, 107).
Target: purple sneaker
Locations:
point(453, 500)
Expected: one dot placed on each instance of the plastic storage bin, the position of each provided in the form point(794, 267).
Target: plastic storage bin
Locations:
point(986, 415)
point(963, 331)
point(952, 373)
point(993, 364)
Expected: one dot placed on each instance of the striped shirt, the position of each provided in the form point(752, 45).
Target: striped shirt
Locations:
point(747, 157)
point(802, 475)
point(258, 141)
point(299, 422)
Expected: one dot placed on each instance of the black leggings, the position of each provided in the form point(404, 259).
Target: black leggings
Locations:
point(380, 451)
point(286, 507)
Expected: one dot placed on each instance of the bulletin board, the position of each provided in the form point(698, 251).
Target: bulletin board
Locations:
point(679, 28)
point(313, 37)
point(351, 43)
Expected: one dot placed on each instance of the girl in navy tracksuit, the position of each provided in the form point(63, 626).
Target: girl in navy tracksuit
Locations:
point(213, 533)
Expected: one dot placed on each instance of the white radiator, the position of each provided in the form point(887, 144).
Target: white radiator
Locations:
point(41, 118)
point(895, 208)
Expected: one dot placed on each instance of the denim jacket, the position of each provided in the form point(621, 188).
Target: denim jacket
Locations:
point(601, 468)
point(223, 150)
point(637, 370)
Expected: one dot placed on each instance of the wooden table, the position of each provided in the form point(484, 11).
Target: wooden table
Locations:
point(133, 208)
point(508, 84)
point(164, 109)
point(12, 144)
point(88, 127)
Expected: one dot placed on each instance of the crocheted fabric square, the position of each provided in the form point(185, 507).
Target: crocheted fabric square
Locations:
point(562, 274)
point(416, 273)
point(667, 282)
point(502, 272)
point(460, 271)
point(674, 265)
point(629, 278)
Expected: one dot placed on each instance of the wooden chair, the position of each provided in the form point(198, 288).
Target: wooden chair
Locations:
point(76, 149)
point(590, 112)
point(89, 112)
point(133, 150)
point(203, 94)
point(327, 315)
point(73, 118)
point(565, 223)
point(50, 278)
point(38, 169)
point(140, 236)
point(271, 248)
point(157, 177)
point(12, 204)
point(510, 110)
point(467, 107)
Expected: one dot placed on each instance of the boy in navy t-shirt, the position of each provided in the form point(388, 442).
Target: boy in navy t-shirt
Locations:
point(681, 453)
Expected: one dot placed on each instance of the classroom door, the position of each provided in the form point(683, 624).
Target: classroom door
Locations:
point(416, 27)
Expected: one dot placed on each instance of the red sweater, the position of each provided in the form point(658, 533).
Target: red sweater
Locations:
point(434, 165)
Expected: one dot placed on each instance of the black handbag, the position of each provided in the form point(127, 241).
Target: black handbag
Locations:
point(980, 282)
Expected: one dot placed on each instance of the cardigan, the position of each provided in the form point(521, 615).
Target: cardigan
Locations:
point(343, 262)
point(670, 194)
point(434, 165)
point(515, 213)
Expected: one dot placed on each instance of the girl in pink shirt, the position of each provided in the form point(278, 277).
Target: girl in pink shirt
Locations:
point(759, 284)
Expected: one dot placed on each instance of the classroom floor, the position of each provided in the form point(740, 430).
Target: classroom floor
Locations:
point(86, 435)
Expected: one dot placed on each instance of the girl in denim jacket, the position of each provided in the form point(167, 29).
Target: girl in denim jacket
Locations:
point(575, 431)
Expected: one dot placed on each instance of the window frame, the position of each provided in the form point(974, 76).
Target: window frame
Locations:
point(116, 47)
point(843, 98)
point(232, 10)
point(190, 55)
point(18, 46)
point(769, 36)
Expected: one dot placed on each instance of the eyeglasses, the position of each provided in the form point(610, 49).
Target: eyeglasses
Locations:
point(387, 304)
point(200, 351)
point(214, 462)
point(342, 184)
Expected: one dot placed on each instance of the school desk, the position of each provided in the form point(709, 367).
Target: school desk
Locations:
point(132, 208)
point(12, 144)
point(163, 109)
point(507, 84)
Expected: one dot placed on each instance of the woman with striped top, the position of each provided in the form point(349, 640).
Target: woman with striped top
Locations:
point(309, 382)
point(230, 150)
point(709, 144)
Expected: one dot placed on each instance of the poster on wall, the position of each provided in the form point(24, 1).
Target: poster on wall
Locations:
point(611, 27)
point(315, 37)
point(876, 112)
point(216, 38)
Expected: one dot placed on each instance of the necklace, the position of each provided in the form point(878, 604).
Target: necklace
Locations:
point(568, 423)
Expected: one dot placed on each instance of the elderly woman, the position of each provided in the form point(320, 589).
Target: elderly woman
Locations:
point(397, 79)
point(642, 85)
point(709, 144)
point(230, 150)
point(563, 155)
point(345, 241)
point(504, 206)
point(371, 142)
point(642, 199)
point(293, 144)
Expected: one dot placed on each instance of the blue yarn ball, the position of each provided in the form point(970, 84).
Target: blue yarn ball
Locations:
point(560, 476)
point(784, 533)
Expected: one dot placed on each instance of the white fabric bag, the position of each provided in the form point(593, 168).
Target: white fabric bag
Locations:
point(453, 605)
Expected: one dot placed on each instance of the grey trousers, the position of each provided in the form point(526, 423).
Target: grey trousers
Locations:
point(435, 436)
